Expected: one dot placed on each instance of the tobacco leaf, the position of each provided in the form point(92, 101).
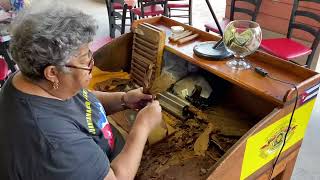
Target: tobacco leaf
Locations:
point(162, 83)
point(201, 144)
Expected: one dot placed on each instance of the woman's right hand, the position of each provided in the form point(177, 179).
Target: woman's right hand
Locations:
point(150, 116)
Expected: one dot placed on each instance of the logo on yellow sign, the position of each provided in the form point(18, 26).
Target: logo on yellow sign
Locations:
point(275, 141)
point(264, 146)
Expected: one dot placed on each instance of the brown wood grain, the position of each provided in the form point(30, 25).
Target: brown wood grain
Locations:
point(116, 55)
point(302, 87)
point(248, 79)
point(232, 160)
point(284, 167)
point(252, 88)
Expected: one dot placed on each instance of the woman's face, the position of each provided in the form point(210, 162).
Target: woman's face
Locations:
point(80, 66)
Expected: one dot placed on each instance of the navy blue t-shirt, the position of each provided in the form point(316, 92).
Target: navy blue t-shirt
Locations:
point(44, 139)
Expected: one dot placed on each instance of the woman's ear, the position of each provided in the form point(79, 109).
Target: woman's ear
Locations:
point(51, 74)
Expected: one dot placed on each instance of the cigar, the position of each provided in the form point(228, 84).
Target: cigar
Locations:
point(186, 39)
point(147, 80)
point(179, 36)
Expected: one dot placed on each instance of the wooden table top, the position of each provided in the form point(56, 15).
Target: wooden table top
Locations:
point(269, 89)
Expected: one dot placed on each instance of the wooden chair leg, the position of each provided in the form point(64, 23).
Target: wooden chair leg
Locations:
point(310, 58)
point(131, 17)
point(123, 19)
point(190, 17)
point(112, 28)
point(112, 32)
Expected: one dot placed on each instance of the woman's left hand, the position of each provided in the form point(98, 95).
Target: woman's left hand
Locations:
point(135, 99)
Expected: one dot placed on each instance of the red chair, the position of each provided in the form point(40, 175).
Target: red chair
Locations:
point(4, 71)
point(180, 5)
point(288, 49)
point(250, 12)
point(150, 8)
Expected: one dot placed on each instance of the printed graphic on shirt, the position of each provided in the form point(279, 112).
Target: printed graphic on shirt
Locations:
point(104, 125)
point(91, 128)
point(102, 121)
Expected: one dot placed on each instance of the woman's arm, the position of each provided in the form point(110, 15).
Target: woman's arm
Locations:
point(126, 164)
point(112, 102)
point(117, 101)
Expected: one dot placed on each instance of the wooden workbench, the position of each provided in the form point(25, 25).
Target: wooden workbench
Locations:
point(269, 101)
point(248, 79)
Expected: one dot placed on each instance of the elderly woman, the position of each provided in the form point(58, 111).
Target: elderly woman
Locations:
point(51, 127)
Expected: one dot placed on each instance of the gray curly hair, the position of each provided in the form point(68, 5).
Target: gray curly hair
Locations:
point(49, 36)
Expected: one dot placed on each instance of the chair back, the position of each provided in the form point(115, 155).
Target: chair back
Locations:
point(145, 3)
point(293, 24)
point(3, 70)
point(252, 13)
point(113, 15)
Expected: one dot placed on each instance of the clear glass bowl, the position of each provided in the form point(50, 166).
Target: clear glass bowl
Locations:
point(241, 38)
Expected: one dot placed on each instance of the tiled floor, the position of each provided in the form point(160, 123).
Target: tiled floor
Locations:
point(307, 167)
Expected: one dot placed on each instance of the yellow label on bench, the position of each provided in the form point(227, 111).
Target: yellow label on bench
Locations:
point(264, 146)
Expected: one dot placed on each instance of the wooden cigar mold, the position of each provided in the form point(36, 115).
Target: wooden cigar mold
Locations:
point(147, 51)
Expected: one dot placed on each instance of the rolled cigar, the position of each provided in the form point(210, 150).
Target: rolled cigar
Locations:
point(179, 36)
point(147, 79)
point(186, 39)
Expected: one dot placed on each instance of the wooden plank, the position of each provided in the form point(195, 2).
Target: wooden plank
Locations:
point(151, 57)
point(148, 34)
point(145, 43)
point(116, 55)
point(139, 64)
point(283, 168)
point(145, 48)
point(141, 58)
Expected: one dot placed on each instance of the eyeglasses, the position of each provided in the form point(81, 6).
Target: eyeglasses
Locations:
point(90, 65)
